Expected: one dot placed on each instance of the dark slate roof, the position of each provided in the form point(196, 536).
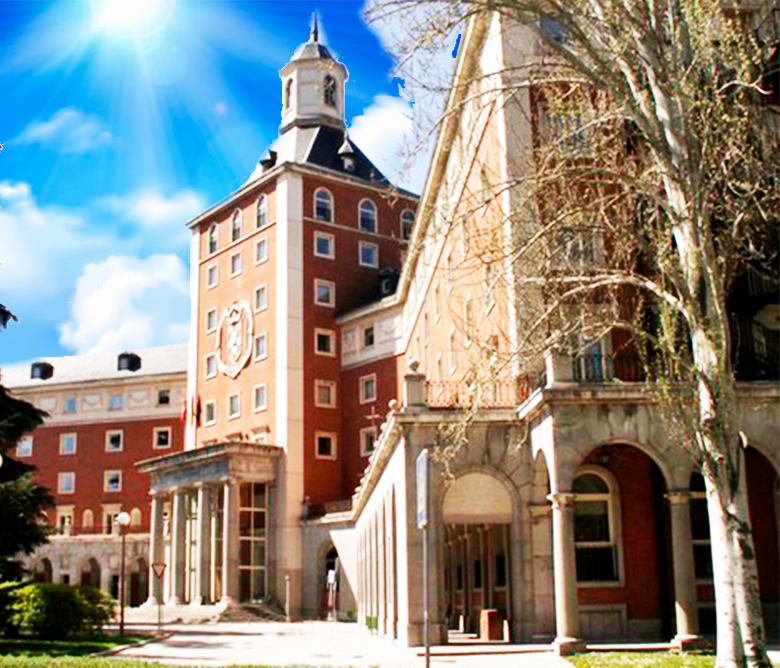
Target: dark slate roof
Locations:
point(325, 153)
point(311, 50)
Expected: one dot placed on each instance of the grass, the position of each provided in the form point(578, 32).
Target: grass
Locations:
point(49, 648)
point(80, 662)
point(641, 659)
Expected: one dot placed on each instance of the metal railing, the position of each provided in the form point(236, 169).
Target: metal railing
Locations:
point(598, 368)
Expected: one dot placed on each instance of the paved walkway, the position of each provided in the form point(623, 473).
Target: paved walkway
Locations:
point(323, 644)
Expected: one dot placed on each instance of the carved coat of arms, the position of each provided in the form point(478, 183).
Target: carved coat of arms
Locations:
point(235, 337)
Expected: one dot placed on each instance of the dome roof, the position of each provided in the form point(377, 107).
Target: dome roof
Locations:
point(312, 48)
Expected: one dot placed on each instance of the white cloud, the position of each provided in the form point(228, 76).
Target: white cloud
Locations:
point(14, 190)
point(70, 130)
point(129, 302)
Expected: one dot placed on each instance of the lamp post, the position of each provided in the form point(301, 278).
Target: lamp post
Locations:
point(122, 520)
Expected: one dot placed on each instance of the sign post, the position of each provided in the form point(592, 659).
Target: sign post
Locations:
point(159, 570)
point(423, 483)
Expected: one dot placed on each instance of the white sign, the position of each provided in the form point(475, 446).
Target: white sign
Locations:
point(422, 489)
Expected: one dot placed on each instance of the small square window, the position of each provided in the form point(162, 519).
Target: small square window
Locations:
point(66, 483)
point(162, 437)
point(261, 346)
point(325, 342)
point(236, 265)
point(325, 245)
point(115, 402)
point(211, 320)
point(114, 441)
point(112, 481)
point(67, 444)
point(69, 405)
point(210, 412)
point(326, 445)
point(324, 394)
point(261, 251)
point(324, 292)
point(368, 388)
point(211, 365)
point(212, 276)
point(367, 441)
point(261, 298)
point(234, 406)
point(260, 397)
point(163, 397)
point(24, 448)
point(368, 337)
point(368, 255)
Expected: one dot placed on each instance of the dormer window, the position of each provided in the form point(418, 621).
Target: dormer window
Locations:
point(329, 87)
point(236, 225)
point(128, 362)
point(288, 94)
point(41, 370)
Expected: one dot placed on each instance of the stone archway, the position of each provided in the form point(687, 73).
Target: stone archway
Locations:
point(477, 512)
point(138, 582)
point(43, 571)
point(90, 573)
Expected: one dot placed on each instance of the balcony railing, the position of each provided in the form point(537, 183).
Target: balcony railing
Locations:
point(72, 530)
point(486, 394)
point(598, 368)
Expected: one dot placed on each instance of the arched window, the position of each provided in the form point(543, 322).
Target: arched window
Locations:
point(595, 529)
point(700, 528)
point(262, 211)
point(236, 225)
point(323, 206)
point(367, 215)
point(407, 223)
point(329, 86)
point(213, 238)
point(135, 517)
point(288, 94)
point(87, 519)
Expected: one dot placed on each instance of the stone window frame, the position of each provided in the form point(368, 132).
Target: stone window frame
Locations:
point(260, 258)
point(236, 268)
point(63, 437)
point(331, 205)
point(407, 224)
point(261, 212)
point(210, 366)
point(331, 239)
point(115, 432)
point(106, 481)
point(331, 337)
point(62, 477)
point(211, 284)
point(256, 357)
point(612, 497)
point(234, 414)
point(210, 403)
point(331, 385)
point(333, 454)
point(66, 404)
point(331, 287)
point(212, 239)
point(368, 205)
point(21, 447)
point(259, 305)
point(156, 438)
point(363, 384)
point(364, 433)
point(236, 225)
point(367, 262)
point(256, 406)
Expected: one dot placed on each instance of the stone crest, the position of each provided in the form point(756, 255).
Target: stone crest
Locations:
point(235, 337)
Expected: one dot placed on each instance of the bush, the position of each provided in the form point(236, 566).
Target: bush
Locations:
point(55, 611)
point(7, 628)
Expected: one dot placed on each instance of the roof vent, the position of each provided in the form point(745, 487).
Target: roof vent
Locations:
point(347, 154)
point(268, 159)
point(41, 370)
point(128, 362)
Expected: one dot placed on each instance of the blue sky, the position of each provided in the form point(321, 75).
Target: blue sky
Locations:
point(116, 131)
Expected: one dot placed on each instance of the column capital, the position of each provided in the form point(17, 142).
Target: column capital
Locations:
point(678, 497)
point(538, 510)
point(561, 500)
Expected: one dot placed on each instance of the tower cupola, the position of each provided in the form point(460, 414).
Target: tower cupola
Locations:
point(313, 86)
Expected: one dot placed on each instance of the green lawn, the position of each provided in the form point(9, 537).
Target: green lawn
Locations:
point(78, 662)
point(641, 659)
point(29, 647)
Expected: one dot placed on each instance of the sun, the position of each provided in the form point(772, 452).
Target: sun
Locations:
point(133, 19)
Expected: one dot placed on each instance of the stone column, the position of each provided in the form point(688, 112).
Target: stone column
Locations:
point(203, 542)
point(565, 567)
point(230, 544)
point(178, 546)
point(156, 549)
point(684, 573)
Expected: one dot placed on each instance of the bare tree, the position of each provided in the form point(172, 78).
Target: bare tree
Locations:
point(651, 190)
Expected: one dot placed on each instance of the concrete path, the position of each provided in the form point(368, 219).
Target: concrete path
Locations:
point(322, 644)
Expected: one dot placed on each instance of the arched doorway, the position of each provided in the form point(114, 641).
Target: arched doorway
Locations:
point(477, 513)
point(90, 573)
point(622, 536)
point(43, 571)
point(138, 582)
point(329, 579)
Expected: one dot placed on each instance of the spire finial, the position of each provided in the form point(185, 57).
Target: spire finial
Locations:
point(315, 34)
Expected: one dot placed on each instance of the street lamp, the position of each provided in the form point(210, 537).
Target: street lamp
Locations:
point(122, 520)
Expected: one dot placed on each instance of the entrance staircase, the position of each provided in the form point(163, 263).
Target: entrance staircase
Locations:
point(252, 612)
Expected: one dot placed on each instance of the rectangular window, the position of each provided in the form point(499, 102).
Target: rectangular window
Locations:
point(112, 481)
point(211, 320)
point(368, 337)
point(211, 365)
point(261, 298)
point(69, 405)
point(261, 347)
point(236, 264)
point(325, 245)
point(114, 440)
point(325, 342)
point(212, 276)
point(368, 388)
point(324, 393)
point(24, 448)
point(260, 397)
point(261, 251)
point(367, 441)
point(163, 397)
point(210, 412)
point(368, 254)
point(324, 292)
point(115, 402)
point(234, 406)
point(66, 483)
point(326, 445)
point(162, 437)
point(67, 444)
